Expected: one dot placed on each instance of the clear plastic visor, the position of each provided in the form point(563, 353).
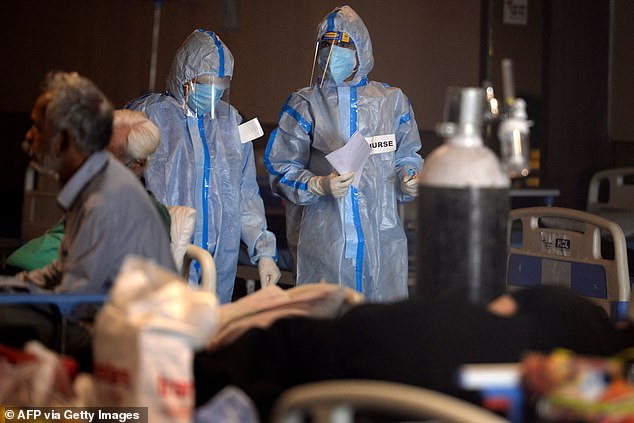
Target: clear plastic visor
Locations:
point(208, 95)
point(321, 69)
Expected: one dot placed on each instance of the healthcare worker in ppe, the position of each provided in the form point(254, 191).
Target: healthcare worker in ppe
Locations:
point(348, 234)
point(202, 163)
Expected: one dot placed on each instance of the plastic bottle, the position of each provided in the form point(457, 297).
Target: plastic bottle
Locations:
point(463, 207)
point(513, 133)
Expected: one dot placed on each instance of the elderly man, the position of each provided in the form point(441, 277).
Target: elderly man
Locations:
point(134, 138)
point(107, 213)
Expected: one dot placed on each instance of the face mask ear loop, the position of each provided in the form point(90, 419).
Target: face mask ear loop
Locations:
point(312, 71)
point(323, 76)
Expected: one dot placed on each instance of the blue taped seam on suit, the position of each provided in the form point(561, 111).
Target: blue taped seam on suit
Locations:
point(267, 153)
point(221, 54)
point(362, 83)
point(357, 222)
point(405, 118)
point(350, 231)
point(307, 127)
point(205, 187)
point(279, 116)
point(354, 106)
point(331, 20)
point(294, 184)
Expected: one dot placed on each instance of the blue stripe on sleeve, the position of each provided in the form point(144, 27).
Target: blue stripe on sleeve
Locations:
point(271, 169)
point(294, 184)
point(308, 127)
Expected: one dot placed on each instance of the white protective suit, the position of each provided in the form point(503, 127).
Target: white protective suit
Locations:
point(201, 163)
point(356, 241)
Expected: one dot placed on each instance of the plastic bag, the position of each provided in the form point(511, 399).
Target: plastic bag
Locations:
point(35, 377)
point(145, 338)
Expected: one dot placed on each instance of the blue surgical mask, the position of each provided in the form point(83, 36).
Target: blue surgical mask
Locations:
point(203, 97)
point(342, 63)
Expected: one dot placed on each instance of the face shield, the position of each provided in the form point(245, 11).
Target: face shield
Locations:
point(208, 95)
point(335, 59)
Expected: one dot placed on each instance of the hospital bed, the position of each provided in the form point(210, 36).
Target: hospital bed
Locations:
point(611, 195)
point(340, 400)
point(572, 248)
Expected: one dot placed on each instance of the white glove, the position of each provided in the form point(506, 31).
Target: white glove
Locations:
point(333, 184)
point(268, 270)
point(409, 184)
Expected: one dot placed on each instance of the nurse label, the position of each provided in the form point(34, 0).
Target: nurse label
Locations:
point(382, 143)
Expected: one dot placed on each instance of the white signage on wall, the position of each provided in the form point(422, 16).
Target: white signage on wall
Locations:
point(515, 12)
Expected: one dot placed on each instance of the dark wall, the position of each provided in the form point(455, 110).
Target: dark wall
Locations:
point(13, 163)
point(420, 45)
point(621, 82)
point(575, 97)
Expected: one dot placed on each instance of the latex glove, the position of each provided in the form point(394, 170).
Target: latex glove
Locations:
point(268, 270)
point(409, 184)
point(333, 184)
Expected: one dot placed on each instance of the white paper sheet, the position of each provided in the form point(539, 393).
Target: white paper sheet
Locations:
point(250, 130)
point(351, 157)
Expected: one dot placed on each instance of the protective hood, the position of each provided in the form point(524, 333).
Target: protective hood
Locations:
point(202, 52)
point(344, 19)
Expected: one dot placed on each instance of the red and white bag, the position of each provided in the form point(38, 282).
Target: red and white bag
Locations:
point(145, 338)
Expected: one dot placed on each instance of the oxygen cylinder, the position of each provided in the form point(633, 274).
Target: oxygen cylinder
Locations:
point(463, 207)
